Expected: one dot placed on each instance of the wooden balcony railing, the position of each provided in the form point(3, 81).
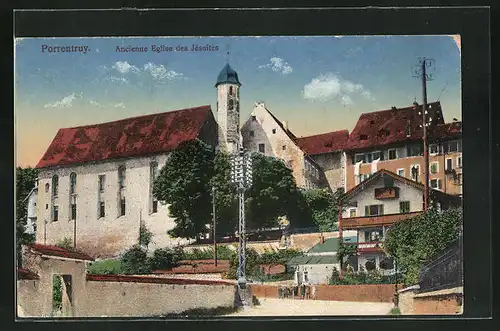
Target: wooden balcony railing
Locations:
point(368, 221)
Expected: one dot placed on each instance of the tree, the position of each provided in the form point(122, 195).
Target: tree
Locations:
point(412, 241)
point(344, 252)
point(25, 182)
point(135, 261)
point(273, 192)
point(184, 184)
point(163, 258)
point(323, 207)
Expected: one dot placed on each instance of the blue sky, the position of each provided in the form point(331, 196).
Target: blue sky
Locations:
point(317, 84)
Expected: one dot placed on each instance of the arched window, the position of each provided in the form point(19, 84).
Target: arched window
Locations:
point(72, 183)
point(231, 104)
point(55, 185)
point(231, 90)
point(47, 187)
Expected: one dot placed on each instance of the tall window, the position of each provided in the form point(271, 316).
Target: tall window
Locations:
point(47, 187)
point(230, 104)
point(459, 162)
point(102, 209)
point(55, 185)
point(55, 213)
point(262, 148)
point(415, 172)
point(434, 149)
point(73, 211)
point(404, 207)
point(374, 210)
point(122, 206)
point(121, 176)
point(101, 182)
point(153, 174)
point(352, 212)
point(72, 183)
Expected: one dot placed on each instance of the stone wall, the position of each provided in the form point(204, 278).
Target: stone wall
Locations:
point(356, 293)
point(112, 295)
point(442, 302)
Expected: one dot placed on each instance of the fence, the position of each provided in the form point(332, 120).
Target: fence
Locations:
point(444, 270)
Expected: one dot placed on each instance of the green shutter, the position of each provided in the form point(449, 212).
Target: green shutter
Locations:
point(381, 210)
point(367, 210)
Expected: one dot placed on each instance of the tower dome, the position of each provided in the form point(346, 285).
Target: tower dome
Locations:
point(227, 75)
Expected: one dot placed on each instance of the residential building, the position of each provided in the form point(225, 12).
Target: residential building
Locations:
point(374, 205)
point(392, 140)
point(317, 264)
point(96, 180)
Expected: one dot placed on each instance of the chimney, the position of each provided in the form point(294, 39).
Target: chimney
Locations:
point(408, 128)
point(285, 125)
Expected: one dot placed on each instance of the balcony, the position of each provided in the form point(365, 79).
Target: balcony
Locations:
point(369, 221)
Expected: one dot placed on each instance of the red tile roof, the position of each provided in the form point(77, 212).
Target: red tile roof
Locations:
point(155, 280)
point(26, 274)
point(59, 252)
point(391, 126)
point(446, 131)
point(324, 143)
point(136, 136)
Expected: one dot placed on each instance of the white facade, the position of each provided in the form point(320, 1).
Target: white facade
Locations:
point(391, 206)
point(314, 274)
point(113, 233)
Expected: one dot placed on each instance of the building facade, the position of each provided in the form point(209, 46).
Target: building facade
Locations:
point(374, 205)
point(392, 140)
point(96, 181)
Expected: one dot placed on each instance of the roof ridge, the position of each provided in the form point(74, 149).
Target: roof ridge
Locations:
point(401, 108)
point(325, 133)
point(136, 117)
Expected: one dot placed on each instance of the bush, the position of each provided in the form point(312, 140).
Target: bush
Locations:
point(144, 236)
point(135, 261)
point(223, 253)
point(65, 243)
point(164, 258)
point(106, 267)
point(358, 278)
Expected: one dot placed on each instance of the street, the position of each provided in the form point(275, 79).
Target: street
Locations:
point(289, 307)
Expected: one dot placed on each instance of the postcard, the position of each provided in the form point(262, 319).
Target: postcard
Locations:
point(238, 176)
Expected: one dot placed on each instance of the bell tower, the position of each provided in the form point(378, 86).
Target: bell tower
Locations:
point(228, 109)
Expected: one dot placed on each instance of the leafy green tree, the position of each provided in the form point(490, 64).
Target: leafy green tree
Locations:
point(184, 184)
point(412, 241)
point(25, 182)
point(323, 206)
point(344, 252)
point(145, 236)
point(273, 193)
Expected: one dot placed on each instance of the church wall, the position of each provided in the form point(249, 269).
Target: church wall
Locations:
point(112, 234)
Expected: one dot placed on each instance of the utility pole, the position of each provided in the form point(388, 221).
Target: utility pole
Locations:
point(241, 175)
point(213, 216)
point(421, 72)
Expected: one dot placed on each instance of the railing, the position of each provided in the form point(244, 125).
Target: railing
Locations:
point(355, 222)
point(444, 270)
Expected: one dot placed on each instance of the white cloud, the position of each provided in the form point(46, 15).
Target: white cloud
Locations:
point(277, 64)
point(119, 105)
point(124, 67)
point(64, 102)
point(114, 79)
point(160, 72)
point(330, 86)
